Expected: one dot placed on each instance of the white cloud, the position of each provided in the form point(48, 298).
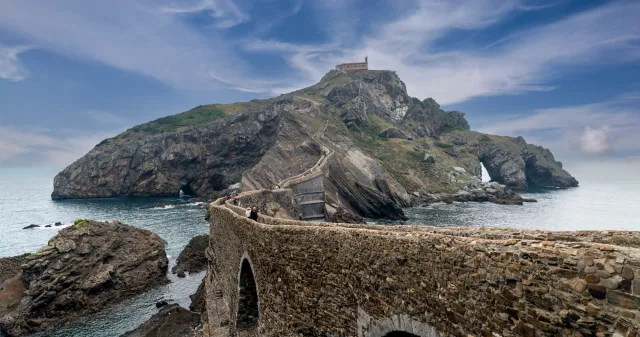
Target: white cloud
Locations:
point(595, 141)
point(10, 66)
point(226, 13)
point(46, 149)
point(524, 61)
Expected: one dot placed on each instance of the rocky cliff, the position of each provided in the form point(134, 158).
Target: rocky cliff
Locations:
point(82, 269)
point(387, 147)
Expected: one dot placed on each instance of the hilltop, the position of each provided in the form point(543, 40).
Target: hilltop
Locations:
point(390, 149)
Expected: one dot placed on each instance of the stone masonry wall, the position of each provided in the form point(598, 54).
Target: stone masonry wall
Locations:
point(266, 200)
point(321, 279)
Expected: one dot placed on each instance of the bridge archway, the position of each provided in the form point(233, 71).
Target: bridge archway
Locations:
point(393, 326)
point(248, 314)
point(400, 334)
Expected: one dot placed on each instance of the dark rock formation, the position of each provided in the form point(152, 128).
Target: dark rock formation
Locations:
point(191, 258)
point(198, 300)
point(365, 199)
point(429, 159)
point(513, 162)
point(383, 93)
point(171, 321)
point(31, 226)
point(393, 133)
point(197, 160)
point(431, 120)
point(341, 215)
point(83, 269)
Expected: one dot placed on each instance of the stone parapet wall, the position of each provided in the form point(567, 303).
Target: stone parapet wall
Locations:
point(361, 280)
point(265, 200)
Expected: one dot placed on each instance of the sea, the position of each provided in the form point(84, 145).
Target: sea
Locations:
point(25, 198)
point(608, 199)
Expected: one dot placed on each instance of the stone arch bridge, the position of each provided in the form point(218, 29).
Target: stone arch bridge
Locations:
point(278, 277)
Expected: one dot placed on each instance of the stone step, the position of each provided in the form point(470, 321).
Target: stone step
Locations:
point(315, 216)
point(310, 202)
point(311, 192)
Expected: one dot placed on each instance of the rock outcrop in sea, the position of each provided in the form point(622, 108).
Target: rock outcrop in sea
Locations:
point(192, 258)
point(171, 321)
point(81, 270)
point(387, 146)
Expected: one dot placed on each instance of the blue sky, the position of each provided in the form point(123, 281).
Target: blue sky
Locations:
point(562, 73)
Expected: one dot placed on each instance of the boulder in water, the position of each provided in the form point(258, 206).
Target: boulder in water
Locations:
point(198, 300)
point(192, 258)
point(31, 226)
point(57, 224)
point(171, 321)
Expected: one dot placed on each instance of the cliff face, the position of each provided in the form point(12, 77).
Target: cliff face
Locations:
point(198, 159)
point(388, 146)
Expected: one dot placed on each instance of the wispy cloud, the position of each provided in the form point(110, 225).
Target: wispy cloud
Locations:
point(129, 35)
point(225, 12)
point(520, 62)
point(11, 68)
point(45, 148)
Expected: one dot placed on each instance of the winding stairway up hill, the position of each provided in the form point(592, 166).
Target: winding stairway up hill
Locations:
point(378, 148)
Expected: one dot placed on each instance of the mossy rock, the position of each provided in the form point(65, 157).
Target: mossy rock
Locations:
point(81, 223)
point(443, 145)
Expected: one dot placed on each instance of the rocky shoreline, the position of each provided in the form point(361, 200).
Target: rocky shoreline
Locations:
point(476, 192)
point(82, 269)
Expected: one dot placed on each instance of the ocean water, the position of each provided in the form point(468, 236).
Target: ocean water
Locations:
point(608, 199)
point(25, 199)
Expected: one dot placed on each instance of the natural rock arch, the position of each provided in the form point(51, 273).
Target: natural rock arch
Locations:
point(248, 313)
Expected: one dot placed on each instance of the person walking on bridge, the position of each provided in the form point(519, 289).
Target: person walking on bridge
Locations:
point(253, 215)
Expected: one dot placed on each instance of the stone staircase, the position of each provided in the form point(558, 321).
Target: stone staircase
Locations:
point(308, 186)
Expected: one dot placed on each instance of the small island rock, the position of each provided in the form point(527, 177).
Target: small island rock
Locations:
point(84, 268)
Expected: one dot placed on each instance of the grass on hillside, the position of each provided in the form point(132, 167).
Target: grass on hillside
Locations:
point(403, 159)
point(443, 145)
point(198, 115)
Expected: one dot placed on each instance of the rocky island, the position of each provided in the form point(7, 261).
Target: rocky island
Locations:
point(390, 150)
point(81, 270)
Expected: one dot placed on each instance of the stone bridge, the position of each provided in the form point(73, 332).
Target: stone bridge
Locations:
point(278, 277)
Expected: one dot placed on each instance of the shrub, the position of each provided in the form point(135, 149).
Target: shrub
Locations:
point(443, 145)
point(80, 223)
